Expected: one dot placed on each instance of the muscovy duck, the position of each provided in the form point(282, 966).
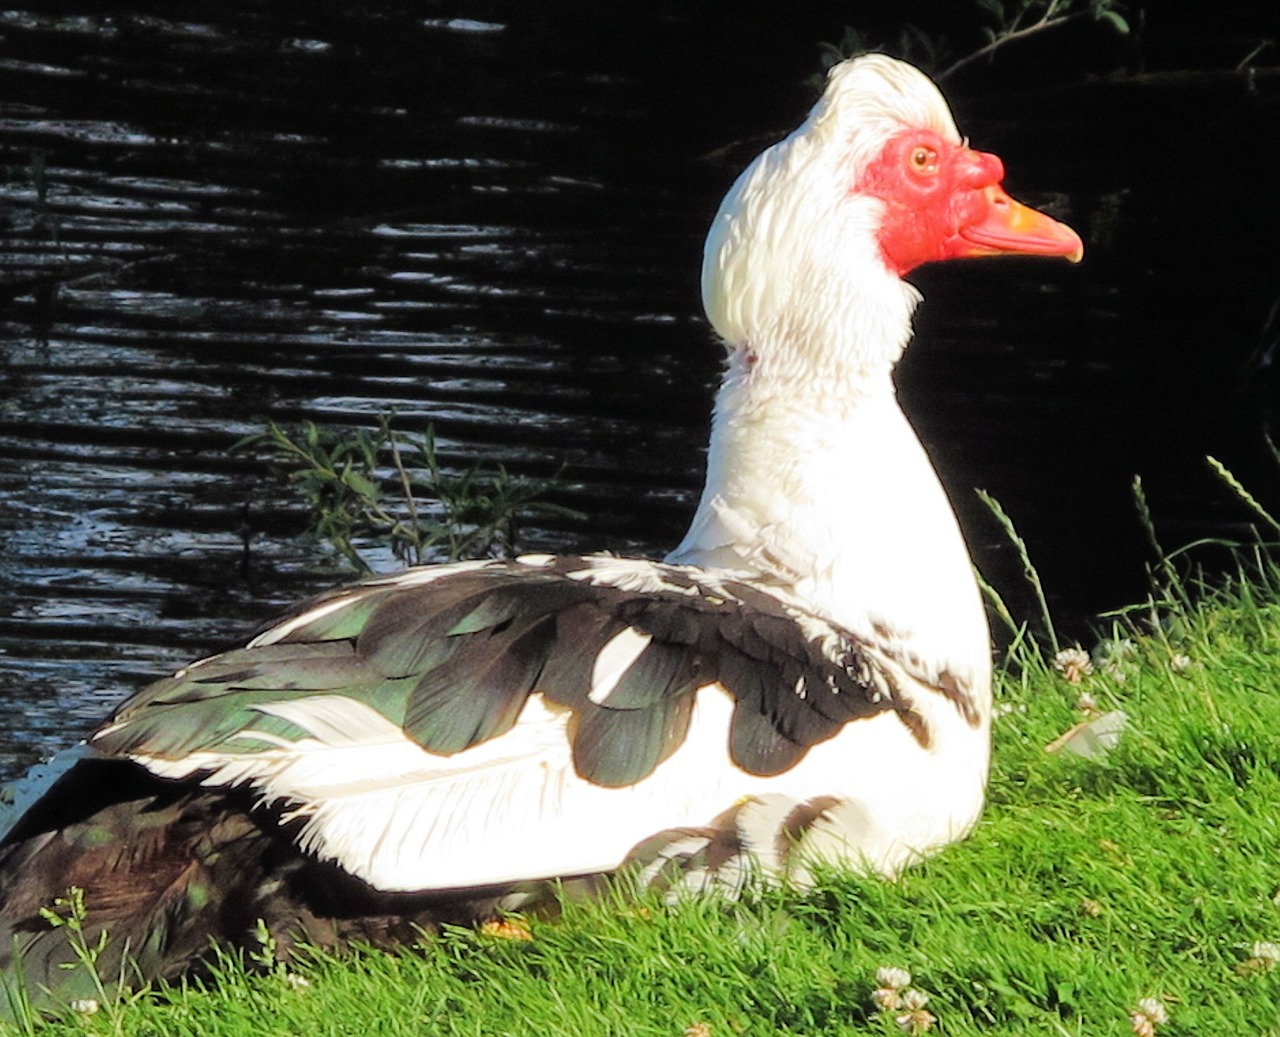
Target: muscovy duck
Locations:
point(806, 676)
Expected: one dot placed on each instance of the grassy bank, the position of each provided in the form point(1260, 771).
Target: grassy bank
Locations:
point(1150, 872)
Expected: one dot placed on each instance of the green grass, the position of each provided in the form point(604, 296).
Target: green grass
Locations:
point(1088, 885)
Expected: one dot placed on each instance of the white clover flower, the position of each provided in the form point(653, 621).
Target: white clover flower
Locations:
point(1086, 703)
point(1264, 950)
point(1153, 1008)
point(893, 978)
point(295, 982)
point(84, 1005)
point(917, 1021)
point(1112, 657)
point(894, 995)
point(1266, 956)
point(1073, 663)
point(1179, 662)
point(1147, 1015)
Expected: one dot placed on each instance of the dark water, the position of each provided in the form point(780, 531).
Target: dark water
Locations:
point(489, 216)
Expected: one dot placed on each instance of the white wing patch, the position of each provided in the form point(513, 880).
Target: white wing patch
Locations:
point(615, 658)
point(633, 575)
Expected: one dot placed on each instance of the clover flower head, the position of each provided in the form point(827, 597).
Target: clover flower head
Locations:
point(1073, 663)
point(892, 977)
point(917, 1021)
point(1265, 950)
point(1147, 1015)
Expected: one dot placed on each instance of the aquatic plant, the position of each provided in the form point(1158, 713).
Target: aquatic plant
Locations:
point(388, 487)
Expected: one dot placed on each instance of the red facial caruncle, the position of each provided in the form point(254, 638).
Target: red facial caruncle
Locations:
point(944, 201)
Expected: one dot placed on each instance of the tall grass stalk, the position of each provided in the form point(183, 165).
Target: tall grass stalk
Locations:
point(1238, 488)
point(1028, 569)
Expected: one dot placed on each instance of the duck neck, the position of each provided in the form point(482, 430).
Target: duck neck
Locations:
point(817, 482)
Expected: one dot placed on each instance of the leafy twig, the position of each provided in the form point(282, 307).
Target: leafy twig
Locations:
point(1011, 33)
point(1013, 23)
point(338, 474)
point(1054, 15)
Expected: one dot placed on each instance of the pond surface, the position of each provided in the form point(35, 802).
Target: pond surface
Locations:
point(490, 218)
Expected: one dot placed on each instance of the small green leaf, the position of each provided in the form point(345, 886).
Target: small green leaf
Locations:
point(252, 440)
point(359, 483)
point(1121, 26)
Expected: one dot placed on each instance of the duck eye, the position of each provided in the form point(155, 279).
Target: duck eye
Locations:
point(924, 160)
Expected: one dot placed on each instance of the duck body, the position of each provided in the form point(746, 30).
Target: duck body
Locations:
point(806, 676)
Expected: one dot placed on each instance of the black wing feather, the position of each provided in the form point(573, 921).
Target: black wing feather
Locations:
point(660, 672)
point(581, 631)
point(479, 692)
point(619, 747)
